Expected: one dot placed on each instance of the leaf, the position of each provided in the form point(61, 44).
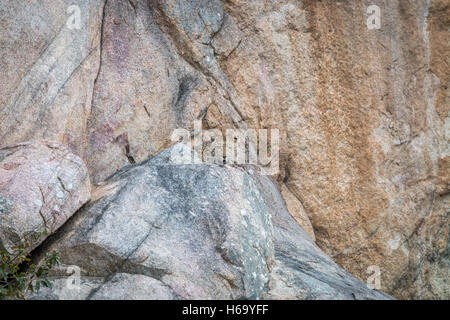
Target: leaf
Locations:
point(47, 283)
point(39, 272)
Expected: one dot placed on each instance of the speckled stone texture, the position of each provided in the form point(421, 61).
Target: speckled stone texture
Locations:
point(194, 231)
point(363, 113)
point(41, 185)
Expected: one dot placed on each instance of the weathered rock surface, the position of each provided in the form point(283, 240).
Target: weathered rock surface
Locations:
point(365, 117)
point(363, 114)
point(194, 231)
point(296, 209)
point(48, 71)
point(41, 186)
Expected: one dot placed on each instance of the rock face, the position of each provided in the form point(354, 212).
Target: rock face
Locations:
point(41, 186)
point(49, 70)
point(363, 113)
point(196, 231)
point(365, 117)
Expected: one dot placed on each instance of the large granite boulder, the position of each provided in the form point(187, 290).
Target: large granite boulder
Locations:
point(41, 185)
point(161, 230)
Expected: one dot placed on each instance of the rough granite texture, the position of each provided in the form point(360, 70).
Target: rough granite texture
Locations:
point(363, 114)
point(41, 186)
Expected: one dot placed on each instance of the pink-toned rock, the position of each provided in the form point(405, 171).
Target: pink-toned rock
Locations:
point(42, 185)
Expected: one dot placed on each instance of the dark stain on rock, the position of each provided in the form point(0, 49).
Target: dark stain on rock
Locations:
point(186, 85)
